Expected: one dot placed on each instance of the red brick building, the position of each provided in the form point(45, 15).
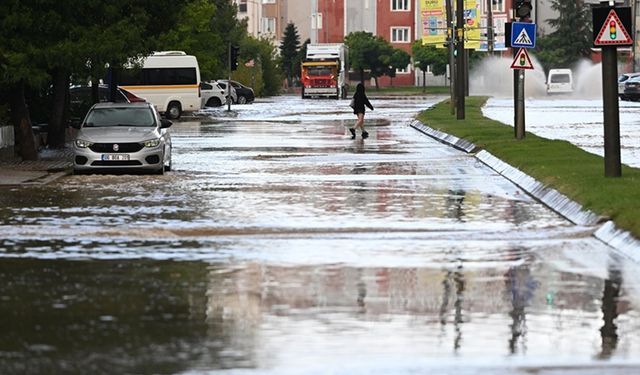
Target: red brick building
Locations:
point(394, 20)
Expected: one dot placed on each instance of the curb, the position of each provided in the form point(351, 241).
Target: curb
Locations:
point(607, 232)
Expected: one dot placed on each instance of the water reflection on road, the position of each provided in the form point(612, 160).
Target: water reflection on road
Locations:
point(278, 245)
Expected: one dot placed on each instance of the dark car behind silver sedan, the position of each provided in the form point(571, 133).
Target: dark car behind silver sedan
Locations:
point(123, 136)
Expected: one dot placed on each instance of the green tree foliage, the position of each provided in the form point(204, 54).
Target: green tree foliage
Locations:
point(362, 51)
point(399, 60)
point(289, 48)
point(205, 29)
point(571, 38)
point(369, 52)
point(425, 56)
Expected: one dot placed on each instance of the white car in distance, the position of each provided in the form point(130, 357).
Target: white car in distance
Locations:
point(212, 94)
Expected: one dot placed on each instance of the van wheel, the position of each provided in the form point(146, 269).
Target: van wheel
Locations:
point(173, 111)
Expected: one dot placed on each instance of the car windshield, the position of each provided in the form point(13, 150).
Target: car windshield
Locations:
point(100, 117)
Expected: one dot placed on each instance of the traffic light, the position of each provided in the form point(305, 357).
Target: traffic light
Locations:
point(234, 57)
point(523, 9)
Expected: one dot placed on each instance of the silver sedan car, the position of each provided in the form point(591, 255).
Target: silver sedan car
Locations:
point(116, 136)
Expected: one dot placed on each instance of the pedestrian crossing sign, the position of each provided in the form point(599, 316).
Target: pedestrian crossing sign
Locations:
point(612, 32)
point(522, 60)
point(523, 34)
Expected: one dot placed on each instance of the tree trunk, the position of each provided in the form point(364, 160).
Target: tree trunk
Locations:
point(25, 143)
point(424, 81)
point(362, 76)
point(95, 94)
point(59, 114)
point(376, 80)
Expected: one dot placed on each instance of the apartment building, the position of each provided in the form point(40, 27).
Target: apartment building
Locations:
point(268, 18)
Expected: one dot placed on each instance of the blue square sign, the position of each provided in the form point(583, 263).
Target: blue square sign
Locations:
point(523, 35)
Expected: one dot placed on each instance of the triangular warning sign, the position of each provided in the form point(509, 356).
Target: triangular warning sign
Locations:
point(523, 39)
point(522, 60)
point(613, 32)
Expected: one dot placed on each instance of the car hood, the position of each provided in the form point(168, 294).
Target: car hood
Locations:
point(119, 134)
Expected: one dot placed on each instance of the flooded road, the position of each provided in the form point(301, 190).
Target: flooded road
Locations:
point(278, 245)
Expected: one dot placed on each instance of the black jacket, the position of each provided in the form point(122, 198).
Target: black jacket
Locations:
point(359, 102)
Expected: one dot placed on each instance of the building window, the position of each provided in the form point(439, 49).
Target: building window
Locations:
point(400, 35)
point(268, 25)
point(242, 6)
point(400, 5)
point(496, 6)
point(316, 21)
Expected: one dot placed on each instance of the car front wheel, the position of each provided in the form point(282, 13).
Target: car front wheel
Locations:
point(214, 102)
point(242, 99)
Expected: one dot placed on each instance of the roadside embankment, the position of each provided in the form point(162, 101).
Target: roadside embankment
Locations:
point(561, 173)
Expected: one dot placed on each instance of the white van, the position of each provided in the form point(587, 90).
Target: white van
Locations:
point(559, 81)
point(169, 79)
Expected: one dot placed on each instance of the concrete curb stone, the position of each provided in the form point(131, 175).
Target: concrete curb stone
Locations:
point(607, 232)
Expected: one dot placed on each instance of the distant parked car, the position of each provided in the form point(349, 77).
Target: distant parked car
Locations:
point(632, 89)
point(622, 79)
point(115, 136)
point(223, 85)
point(212, 94)
point(244, 93)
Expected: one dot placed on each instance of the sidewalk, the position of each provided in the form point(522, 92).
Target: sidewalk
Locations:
point(52, 164)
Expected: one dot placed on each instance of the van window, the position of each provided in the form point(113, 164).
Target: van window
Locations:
point(159, 76)
point(560, 78)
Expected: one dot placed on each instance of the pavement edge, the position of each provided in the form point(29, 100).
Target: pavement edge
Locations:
point(607, 232)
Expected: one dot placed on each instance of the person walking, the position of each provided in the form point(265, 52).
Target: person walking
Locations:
point(359, 101)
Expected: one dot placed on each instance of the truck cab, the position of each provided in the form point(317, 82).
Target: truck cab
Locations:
point(324, 71)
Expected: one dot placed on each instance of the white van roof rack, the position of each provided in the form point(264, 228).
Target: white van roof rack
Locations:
point(170, 53)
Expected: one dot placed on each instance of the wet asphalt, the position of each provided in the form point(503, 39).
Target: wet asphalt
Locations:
point(278, 245)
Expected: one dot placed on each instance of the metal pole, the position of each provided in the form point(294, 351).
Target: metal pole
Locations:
point(460, 77)
point(490, 26)
point(229, 79)
point(612, 166)
point(519, 124)
point(450, 46)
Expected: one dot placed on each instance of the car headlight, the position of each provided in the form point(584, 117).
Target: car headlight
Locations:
point(152, 143)
point(83, 144)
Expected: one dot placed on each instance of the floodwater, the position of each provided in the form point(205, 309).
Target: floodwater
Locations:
point(280, 246)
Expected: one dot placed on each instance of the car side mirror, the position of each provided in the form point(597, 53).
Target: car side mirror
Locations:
point(164, 123)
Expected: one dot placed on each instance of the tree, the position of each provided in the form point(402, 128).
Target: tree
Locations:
point(426, 56)
point(571, 38)
point(362, 51)
point(399, 60)
point(289, 51)
point(204, 29)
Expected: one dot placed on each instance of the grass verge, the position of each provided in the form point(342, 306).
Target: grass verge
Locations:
point(558, 164)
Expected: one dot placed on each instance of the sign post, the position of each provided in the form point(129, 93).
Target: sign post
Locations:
point(610, 27)
point(523, 35)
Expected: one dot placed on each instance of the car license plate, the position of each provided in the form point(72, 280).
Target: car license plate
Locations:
point(115, 157)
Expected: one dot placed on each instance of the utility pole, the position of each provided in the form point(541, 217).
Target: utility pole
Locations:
point(460, 73)
point(490, 26)
point(229, 78)
point(450, 46)
point(522, 12)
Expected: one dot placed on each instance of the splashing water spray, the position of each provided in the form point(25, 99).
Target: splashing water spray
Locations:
point(493, 76)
